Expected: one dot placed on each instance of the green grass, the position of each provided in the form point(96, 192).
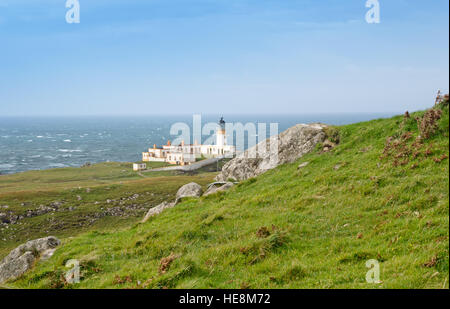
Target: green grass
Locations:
point(94, 185)
point(155, 164)
point(63, 178)
point(323, 222)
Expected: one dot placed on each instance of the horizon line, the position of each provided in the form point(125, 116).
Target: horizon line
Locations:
point(208, 114)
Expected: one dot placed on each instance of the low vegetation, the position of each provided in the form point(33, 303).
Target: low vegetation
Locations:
point(68, 201)
point(381, 193)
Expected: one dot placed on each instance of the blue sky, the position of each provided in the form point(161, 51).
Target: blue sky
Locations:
point(221, 56)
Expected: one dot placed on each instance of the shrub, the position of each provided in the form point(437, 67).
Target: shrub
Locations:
point(332, 133)
point(428, 124)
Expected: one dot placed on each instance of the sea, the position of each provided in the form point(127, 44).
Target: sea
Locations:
point(37, 143)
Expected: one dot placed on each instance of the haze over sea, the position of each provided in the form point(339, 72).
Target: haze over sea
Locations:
point(36, 143)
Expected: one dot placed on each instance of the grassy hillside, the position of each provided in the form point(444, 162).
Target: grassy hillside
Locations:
point(380, 194)
point(69, 177)
point(81, 196)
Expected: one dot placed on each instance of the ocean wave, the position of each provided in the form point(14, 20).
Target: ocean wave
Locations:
point(70, 150)
point(57, 165)
point(7, 166)
point(67, 141)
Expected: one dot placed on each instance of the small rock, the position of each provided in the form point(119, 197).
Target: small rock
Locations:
point(214, 189)
point(157, 210)
point(302, 165)
point(329, 144)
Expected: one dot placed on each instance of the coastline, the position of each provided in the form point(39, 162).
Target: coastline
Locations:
point(40, 144)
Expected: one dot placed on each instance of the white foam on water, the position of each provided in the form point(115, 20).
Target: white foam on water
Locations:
point(67, 141)
point(57, 165)
point(70, 150)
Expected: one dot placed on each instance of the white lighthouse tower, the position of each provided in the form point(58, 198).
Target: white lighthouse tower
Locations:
point(221, 138)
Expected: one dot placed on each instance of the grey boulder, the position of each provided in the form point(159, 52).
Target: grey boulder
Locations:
point(21, 259)
point(287, 147)
point(190, 190)
point(214, 189)
point(157, 210)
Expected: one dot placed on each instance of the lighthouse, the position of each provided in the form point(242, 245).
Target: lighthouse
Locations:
point(221, 139)
point(183, 154)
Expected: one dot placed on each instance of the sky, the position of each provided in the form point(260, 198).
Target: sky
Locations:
point(129, 57)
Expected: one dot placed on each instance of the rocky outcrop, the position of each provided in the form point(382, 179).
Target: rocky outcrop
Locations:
point(190, 190)
point(292, 144)
point(157, 210)
point(21, 259)
point(214, 189)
